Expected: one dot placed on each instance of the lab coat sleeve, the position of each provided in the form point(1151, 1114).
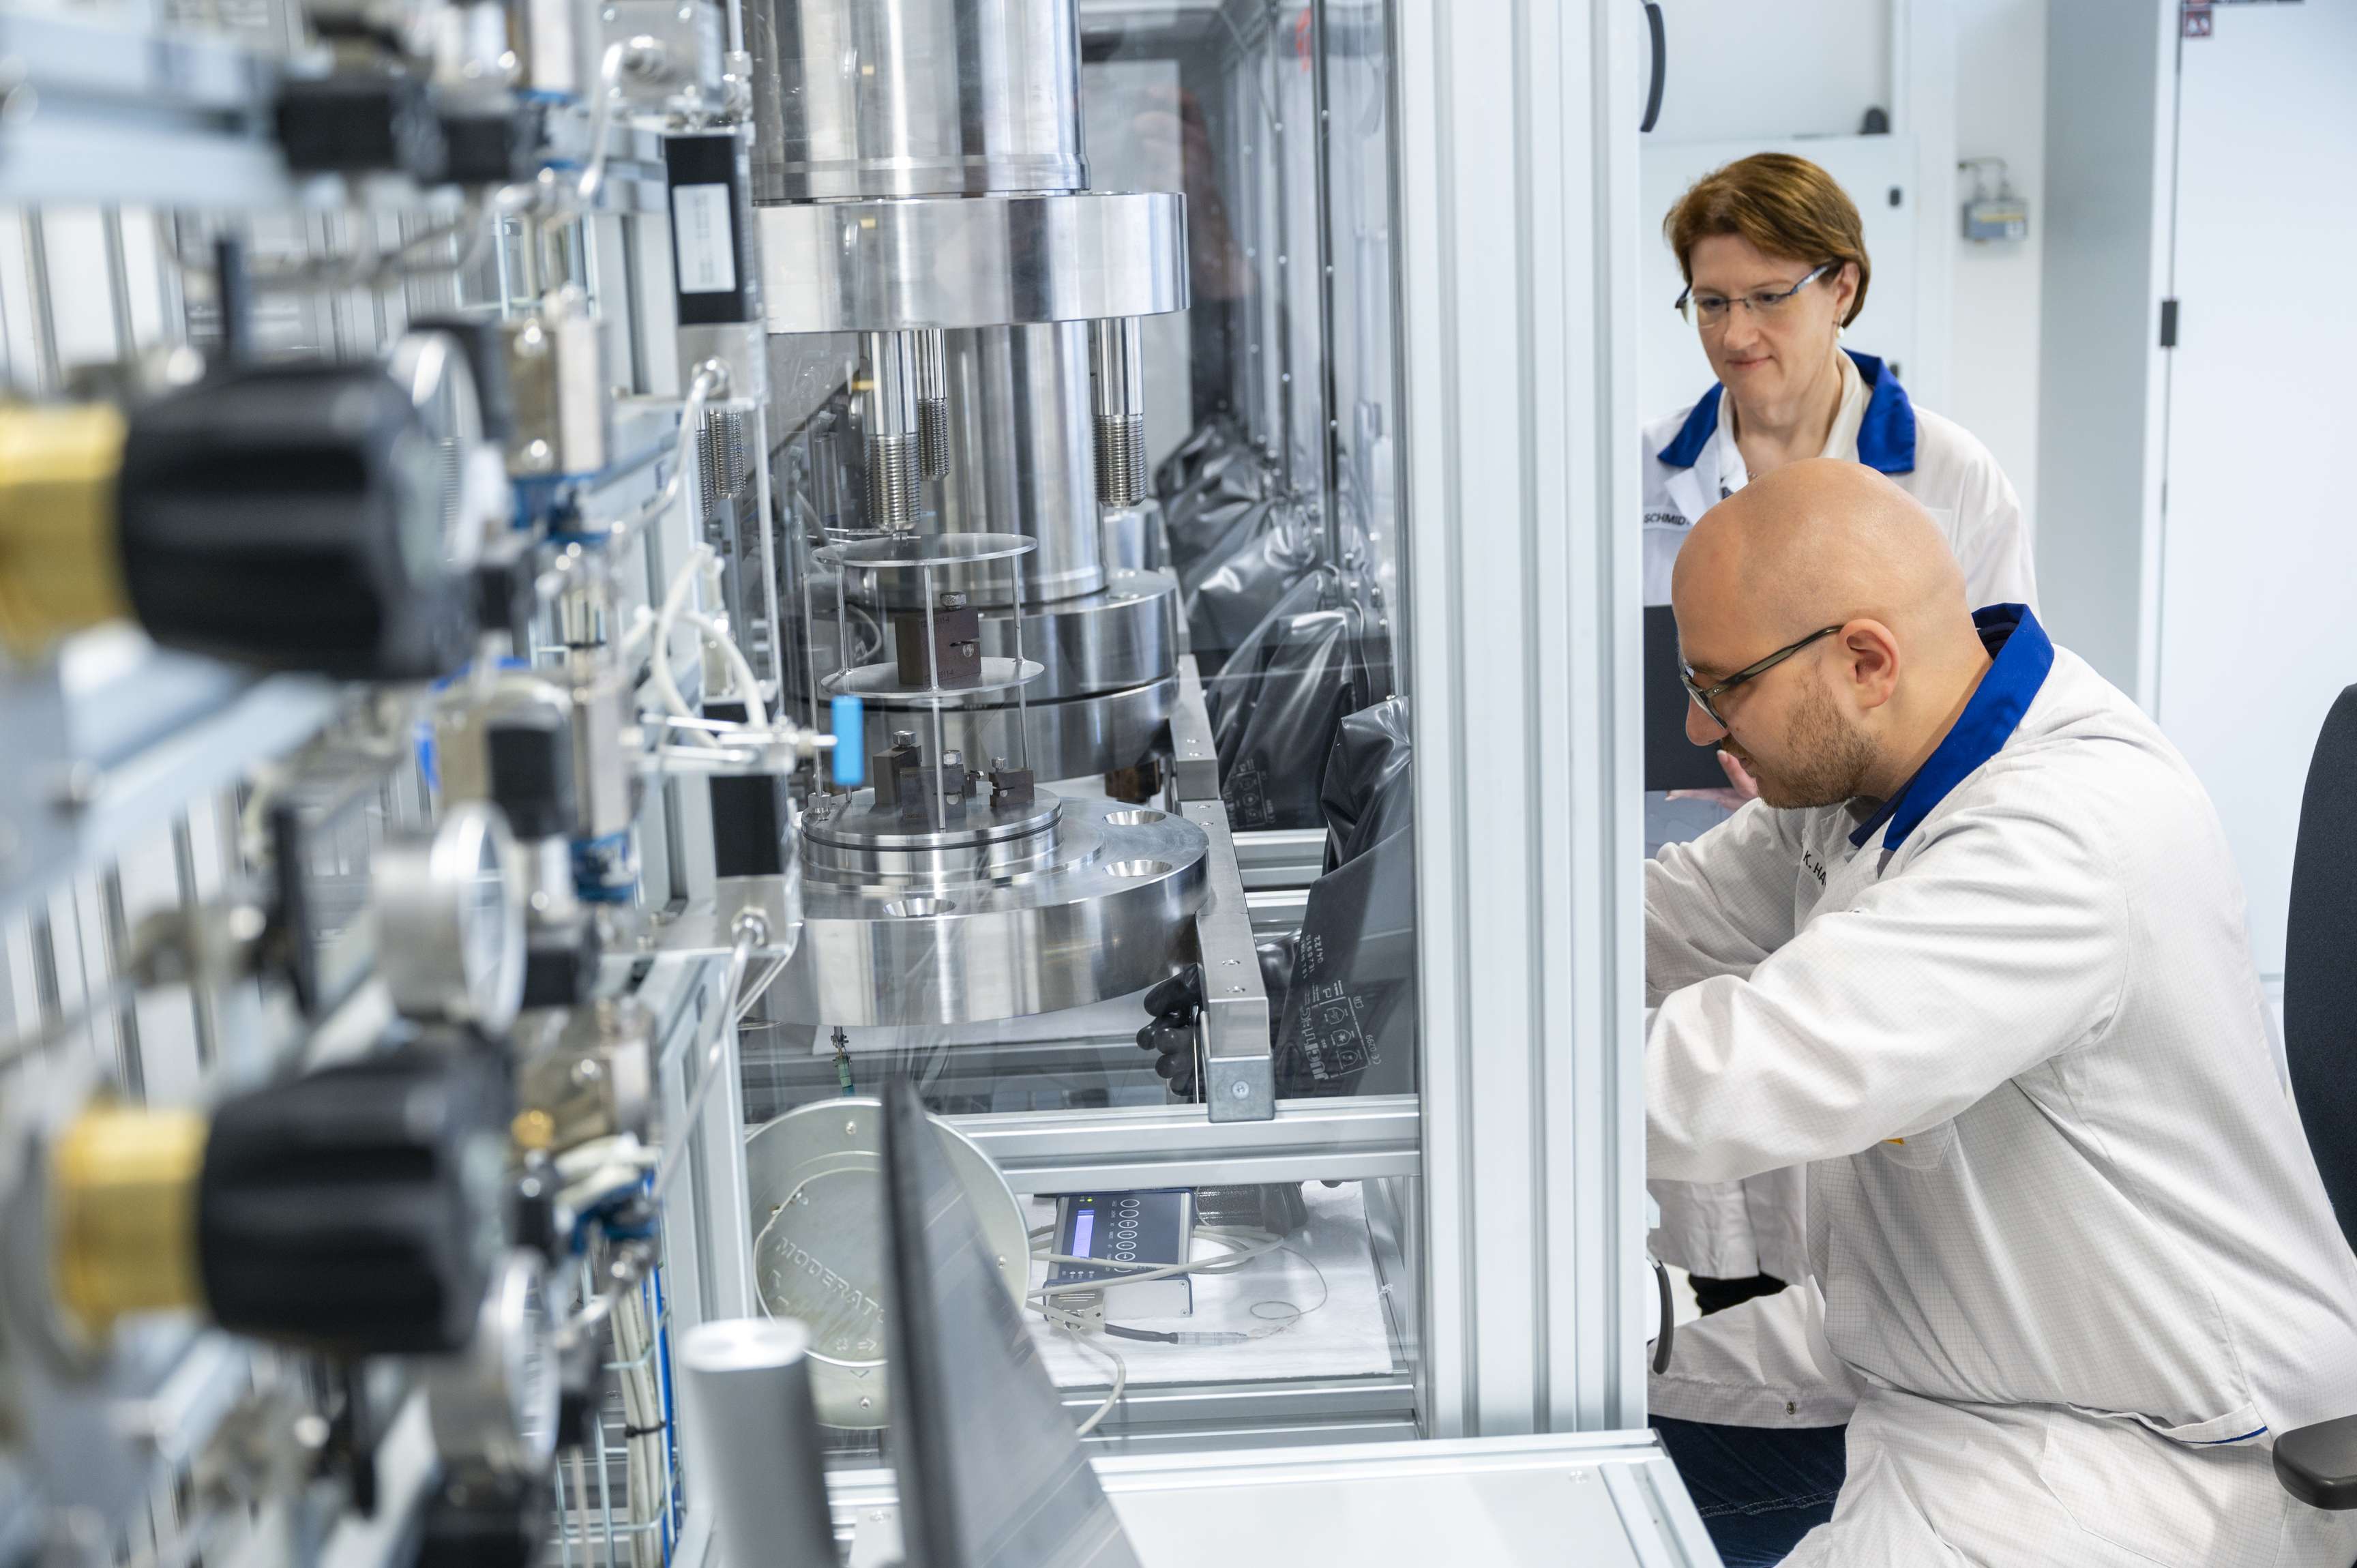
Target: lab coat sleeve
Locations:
point(2001, 943)
point(1719, 904)
point(1992, 539)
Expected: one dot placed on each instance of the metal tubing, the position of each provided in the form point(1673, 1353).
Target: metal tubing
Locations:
point(47, 368)
point(753, 1443)
point(118, 283)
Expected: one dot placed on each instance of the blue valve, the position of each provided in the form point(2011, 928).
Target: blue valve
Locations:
point(850, 761)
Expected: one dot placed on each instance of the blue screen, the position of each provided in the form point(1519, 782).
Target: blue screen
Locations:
point(1084, 1230)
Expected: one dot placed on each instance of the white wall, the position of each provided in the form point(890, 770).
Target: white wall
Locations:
point(1742, 72)
point(2001, 113)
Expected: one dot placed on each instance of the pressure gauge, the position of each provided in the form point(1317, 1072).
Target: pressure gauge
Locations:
point(450, 921)
point(462, 472)
point(495, 1403)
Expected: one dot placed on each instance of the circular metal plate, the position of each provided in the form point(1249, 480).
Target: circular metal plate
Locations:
point(852, 822)
point(1125, 635)
point(1103, 914)
point(816, 1180)
point(881, 683)
point(1068, 739)
point(897, 552)
point(972, 260)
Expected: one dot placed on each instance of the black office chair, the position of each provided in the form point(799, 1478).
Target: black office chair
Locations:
point(2318, 1464)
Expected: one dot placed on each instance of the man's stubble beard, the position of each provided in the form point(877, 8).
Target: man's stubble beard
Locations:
point(1831, 757)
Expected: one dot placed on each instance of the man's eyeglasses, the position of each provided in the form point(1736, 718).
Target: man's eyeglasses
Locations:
point(1707, 697)
point(1711, 310)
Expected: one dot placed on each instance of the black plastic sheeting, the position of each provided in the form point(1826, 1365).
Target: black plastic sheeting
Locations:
point(1231, 592)
point(1175, 473)
point(1348, 1023)
point(1276, 702)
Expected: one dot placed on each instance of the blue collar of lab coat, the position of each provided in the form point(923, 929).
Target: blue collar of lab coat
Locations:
point(2023, 654)
point(1885, 434)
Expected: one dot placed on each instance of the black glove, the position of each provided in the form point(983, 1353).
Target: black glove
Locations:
point(1175, 1003)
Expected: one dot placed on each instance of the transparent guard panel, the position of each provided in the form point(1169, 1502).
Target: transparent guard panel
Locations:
point(1164, 738)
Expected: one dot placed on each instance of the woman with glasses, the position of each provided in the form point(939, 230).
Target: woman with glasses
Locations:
point(1774, 257)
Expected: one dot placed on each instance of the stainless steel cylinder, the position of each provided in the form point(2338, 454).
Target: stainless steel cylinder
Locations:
point(932, 405)
point(887, 410)
point(915, 98)
point(753, 1439)
point(1018, 459)
point(1117, 399)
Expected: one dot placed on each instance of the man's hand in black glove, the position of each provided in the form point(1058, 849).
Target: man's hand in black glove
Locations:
point(1174, 1004)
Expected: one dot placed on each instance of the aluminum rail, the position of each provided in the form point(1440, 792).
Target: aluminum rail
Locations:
point(1147, 1146)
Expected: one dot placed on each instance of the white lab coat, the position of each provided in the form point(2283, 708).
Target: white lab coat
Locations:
point(1728, 1229)
point(1935, 460)
point(2070, 1266)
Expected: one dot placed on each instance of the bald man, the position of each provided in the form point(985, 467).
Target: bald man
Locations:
point(1977, 961)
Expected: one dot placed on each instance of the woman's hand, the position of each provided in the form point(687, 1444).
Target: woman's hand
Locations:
point(1742, 786)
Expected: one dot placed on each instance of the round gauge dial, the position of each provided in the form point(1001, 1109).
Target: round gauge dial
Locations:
point(450, 921)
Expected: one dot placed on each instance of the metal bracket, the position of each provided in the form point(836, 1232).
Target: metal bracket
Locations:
point(1194, 755)
point(1239, 1068)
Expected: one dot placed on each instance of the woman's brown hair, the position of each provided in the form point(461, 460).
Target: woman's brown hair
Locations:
point(1784, 205)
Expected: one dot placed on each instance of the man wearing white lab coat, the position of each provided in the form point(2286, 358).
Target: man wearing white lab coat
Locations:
point(1732, 1231)
point(1976, 960)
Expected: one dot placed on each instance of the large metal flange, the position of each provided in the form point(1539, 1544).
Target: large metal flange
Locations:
point(1103, 909)
point(972, 260)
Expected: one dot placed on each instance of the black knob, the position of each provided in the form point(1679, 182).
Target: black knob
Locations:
point(531, 775)
point(493, 146)
point(560, 964)
point(290, 517)
point(481, 1519)
point(359, 1211)
point(365, 120)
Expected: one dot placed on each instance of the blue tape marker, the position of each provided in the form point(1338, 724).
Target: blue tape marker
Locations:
point(850, 761)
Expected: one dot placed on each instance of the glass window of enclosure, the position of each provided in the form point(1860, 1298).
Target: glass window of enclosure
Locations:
point(1001, 928)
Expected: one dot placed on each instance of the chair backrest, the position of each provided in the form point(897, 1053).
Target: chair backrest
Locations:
point(2321, 961)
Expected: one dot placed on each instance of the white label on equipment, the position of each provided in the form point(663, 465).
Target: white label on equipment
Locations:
point(707, 250)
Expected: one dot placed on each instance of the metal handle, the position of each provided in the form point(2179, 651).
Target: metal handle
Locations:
point(1661, 65)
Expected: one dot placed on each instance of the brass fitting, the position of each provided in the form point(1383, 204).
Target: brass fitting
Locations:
point(59, 566)
point(123, 1212)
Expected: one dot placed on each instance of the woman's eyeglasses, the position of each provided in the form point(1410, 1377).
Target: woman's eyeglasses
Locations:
point(1711, 310)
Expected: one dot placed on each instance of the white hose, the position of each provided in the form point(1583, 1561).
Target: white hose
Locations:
point(747, 688)
point(707, 381)
point(740, 668)
point(601, 124)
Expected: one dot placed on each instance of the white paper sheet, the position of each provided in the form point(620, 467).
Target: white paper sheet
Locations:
point(1347, 1337)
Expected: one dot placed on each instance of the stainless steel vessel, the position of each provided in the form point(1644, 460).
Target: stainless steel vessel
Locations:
point(914, 98)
